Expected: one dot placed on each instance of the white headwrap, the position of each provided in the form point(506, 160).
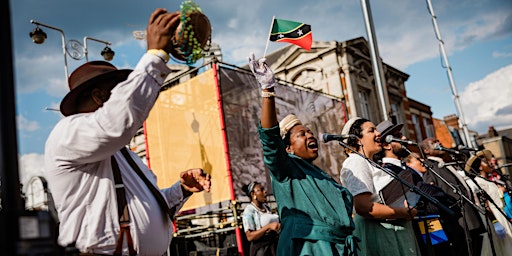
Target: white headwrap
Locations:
point(348, 125)
point(288, 123)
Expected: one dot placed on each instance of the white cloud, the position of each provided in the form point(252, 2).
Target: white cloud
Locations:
point(30, 165)
point(26, 125)
point(497, 54)
point(42, 73)
point(487, 102)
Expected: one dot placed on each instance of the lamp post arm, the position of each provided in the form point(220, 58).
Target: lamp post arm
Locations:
point(93, 39)
point(63, 45)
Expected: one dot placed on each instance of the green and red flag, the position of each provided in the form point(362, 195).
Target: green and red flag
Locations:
point(292, 32)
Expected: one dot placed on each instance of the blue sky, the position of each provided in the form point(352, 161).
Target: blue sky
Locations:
point(477, 36)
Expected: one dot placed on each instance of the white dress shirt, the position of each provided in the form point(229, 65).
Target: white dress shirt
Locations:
point(80, 177)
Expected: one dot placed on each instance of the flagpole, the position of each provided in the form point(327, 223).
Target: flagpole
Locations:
point(268, 38)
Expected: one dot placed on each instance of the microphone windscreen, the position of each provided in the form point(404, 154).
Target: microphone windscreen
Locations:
point(323, 137)
point(389, 139)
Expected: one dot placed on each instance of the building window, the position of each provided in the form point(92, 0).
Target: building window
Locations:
point(417, 127)
point(365, 105)
point(428, 128)
point(395, 111)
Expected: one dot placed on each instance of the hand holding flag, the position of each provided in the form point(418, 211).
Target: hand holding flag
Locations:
point(262, 72)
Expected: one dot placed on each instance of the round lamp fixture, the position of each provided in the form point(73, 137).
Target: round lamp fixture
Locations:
point(107, 53)
point(38, 35)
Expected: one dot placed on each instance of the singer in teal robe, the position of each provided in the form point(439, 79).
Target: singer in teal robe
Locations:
point(315, 210)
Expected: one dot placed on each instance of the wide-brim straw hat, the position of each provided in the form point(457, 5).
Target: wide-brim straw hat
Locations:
point(473, 164)
point(86, 76)
point(485, 153)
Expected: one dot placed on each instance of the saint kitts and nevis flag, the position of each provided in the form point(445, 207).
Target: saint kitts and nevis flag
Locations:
point(291, 32)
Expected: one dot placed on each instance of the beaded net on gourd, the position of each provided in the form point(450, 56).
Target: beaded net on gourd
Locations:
point(193, 35)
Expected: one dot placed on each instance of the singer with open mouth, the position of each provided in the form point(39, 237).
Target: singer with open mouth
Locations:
point(383, 229)
point(315, 210)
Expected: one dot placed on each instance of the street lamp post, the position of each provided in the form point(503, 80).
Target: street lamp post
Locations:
point(73, 48)
point(38, 36)
point(107, 53)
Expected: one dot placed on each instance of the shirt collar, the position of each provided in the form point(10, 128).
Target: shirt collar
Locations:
point(392, 161)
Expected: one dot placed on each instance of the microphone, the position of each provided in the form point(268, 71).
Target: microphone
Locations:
point(505, 165)
point(462, 147)
point(339, 137)
point(449, 150)
point(390, 139)
point(441, 165)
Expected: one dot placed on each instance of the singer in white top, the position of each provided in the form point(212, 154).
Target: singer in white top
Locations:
point(383, 230)
point(103, 111)
point(499, 228)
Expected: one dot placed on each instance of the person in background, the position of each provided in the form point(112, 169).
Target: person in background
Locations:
point(465, 228)
point(383, 229)
point(107, 199)
point(489, 195)
point(315, 210)
point(493, 164)
point(440, 244)
point(260, 224)
point(507, 199)
point(415, 162)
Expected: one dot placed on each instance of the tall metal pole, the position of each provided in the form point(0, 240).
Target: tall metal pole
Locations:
point(10, 197)
point(375, 57)
point(469, 142)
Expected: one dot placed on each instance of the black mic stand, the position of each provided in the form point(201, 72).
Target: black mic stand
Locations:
point(412, 187)
point(485, 195)
point(504, 178)
point(462, 199)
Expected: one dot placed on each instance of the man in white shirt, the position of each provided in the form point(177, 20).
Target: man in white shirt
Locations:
point(392, 154)
point(103, 111)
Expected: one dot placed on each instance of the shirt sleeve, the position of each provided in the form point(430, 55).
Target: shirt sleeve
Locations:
point(90, 137)
point(275, 156)
point(174, 196)
point(356, 175)
point(248, 219)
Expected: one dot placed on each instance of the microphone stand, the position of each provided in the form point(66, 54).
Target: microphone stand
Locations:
point(483, 197)
point(505, 178)
point(412, 187)
point(462, 199)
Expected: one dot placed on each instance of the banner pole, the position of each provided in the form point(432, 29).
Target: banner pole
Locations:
point(268, 38)
point(238, 231)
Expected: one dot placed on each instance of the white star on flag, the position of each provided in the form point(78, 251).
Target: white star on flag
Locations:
point(280, 36)
point(299, 32)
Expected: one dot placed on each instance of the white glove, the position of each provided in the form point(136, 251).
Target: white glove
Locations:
point(262, 72)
